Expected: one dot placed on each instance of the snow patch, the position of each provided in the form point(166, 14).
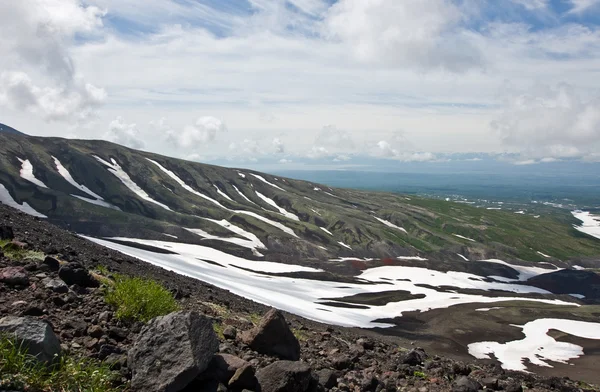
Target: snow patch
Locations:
point(326, 231)
point(118, 172)
point(267, 182)
point(390, 224)
point(26, 173)
point(538, 347)
point(67, 176)
point(543, 254)
point(344, 245)
point(241, 194)
point(7, 199)
point(590, 223)
point(272, 203)
point(464, 238)
point(487, 309)
point(225, 195)
point(418, 258)
point(463, 257)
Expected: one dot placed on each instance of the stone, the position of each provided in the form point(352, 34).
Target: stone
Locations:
point(51, 263)
point(415, 357)
point(490, 383)
point(14, 276)
point(465, 384)
point(243, 378)
point(56, 285)
point(95, 331)
point(327, 378)
point(367, 344)
point(6, 233)
point(513, 387)
point(76, 274)
point(230, 332)
point(284, 376)
point(223, 366)
point(341, 362)
point(35, 335)
point(273, 337)
point(171, 351)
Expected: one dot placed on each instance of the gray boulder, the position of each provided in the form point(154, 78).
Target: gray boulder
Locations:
point(56, 285)
point(171, 351)
point(273, 337)
point(285, 376)
point(35, 335)
point(223, 367)
point(465, 384)
point(14, 276)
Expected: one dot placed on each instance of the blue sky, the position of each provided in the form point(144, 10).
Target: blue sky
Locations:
point(309, 83)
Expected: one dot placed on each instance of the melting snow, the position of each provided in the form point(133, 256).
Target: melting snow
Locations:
point(115, 169)
point(27, 173)
point(418, 258)
point(463, 257)
point(7, 199)
point(326, 231)
point(302, 296)
point(272, 203)
point(590, 223)
point(525, 272)
point(487, 309)
point(241, 175)
point(97, 202)
point(316, 189)
point(464, 238)
point(267, 182)
point(390, 224)
point(170, 235)
point(344, 245)
point(577, 296)
point(543, 254)
point(225, 195)
point(241, 194)
point(538, 347)
point(520, 212)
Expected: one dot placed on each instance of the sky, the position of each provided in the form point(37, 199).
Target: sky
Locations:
point(309, 83)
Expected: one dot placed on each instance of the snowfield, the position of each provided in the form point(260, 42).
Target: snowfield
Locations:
point(538, 347)
point(26, 173)
point(590, 223)
point(7, 199)
point(306, 297)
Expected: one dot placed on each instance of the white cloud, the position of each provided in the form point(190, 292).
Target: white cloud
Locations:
point(205, 130)
point(579, 6)
point(123, 133)
point(285, 161)
point(278, 146)
point(551, 122)
point(39, 73)
point(416, 33)
point(532, 4)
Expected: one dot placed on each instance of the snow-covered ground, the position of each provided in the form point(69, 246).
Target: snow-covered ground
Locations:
point(225, 195)
point(326, 231)
point(26, 173)
point(418, 258)
point(250, 240)
point(525, 272)
point(118, 172)
point(7, 199)
point(390, 224)
point(304, 296)
point(538, 347)
point(590, 223)
point(344, 245)
point(241, 194)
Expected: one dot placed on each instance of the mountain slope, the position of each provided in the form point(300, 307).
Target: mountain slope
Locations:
point(103, 189)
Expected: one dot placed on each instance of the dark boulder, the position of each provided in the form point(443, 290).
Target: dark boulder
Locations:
point(586, 283)
point(273, 337)
point(171, 351)
point(465, 384)
point(415, 357)
point(223, 367)
point(6, 233)
point(284, 376)
point(243, 378)
point(75, 273)
point(51, 263)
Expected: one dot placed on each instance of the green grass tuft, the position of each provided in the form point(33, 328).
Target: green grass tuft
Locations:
point(137, 299)
point(420, 375)
point(21, 371)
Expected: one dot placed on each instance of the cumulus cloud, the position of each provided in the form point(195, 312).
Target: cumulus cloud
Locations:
point(39, 73)
point(532, 5)
point(278, 146)
point(550, 122)
point(421, 33)
point(205, 130)
point(579, 6)
point(123, 133)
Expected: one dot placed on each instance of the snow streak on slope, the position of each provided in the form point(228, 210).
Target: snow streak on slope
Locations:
point(241, 194)
point(590, 223)
point(267, 182)
point(390, 224)
point(252, 214)
point(344, 245)
point(326, 231)
point(225, 195)
point(115, 169)
point(525, 272)
point(67, 176)
point(282, 211)
point(308, 297)
point(251, 241)
point(97, 200)
point(7, 199)
point(538, 347)
point(463, 237)
point(27, 173)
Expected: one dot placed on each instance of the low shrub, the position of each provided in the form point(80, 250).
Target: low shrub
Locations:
point(138, 299)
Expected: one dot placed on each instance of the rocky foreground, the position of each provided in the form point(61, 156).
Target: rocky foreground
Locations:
point(217, 341)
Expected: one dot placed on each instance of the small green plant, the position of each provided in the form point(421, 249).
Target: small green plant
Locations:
point(21, 371)
point(300, 335)
point(137, 299)
point(420, 374)
point(15, 252)
point(254, 318)
point(218, 328)
point(102, 270)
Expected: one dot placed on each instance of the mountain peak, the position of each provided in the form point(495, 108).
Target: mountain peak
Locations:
point(10, 130)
